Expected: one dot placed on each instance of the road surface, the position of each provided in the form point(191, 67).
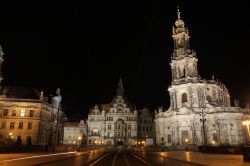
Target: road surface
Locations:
point(108, 157)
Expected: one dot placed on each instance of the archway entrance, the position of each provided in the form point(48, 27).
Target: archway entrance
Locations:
point(119, 142)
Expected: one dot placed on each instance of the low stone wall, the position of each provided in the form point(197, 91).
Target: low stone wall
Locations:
point(221, 149)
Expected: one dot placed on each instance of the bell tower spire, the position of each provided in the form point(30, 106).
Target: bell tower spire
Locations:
point(178, 13)
point(183, 61)
point(120, 89)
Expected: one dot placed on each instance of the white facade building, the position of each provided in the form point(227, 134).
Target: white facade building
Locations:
point(193, 100)
point(75, 133)
point(114, 123)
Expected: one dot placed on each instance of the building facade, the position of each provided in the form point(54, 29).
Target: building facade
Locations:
point(146, 127)
point(75, 133)
point(200, 111)
point(114, 123)
point(28, 117)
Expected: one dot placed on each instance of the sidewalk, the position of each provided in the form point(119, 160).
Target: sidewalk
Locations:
point(14, 156)
point(10, 156)
point(206, 158)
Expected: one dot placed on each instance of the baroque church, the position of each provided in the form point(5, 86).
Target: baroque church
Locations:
point(200, 111)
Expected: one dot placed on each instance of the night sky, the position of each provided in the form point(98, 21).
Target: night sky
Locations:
point(84, 47)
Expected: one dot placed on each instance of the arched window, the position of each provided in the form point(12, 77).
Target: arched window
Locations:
point(179, 72)
point(184, 98)
point(209, 99)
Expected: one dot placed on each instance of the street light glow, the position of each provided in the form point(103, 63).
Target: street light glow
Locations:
point(79, 138)
point(186, 140)
point(246, 122)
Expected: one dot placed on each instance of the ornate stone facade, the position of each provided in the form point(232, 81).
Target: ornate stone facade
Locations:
point(72, 132)
point(146, 127)
point(194, 100)
point(114, 123)
point(28, 117)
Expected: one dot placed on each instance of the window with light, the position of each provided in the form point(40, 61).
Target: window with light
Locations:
point(22, 113)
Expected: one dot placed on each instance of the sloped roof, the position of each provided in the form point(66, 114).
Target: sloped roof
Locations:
point(20, 92)
point(71, 124)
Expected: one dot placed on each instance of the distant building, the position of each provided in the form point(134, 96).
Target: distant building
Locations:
point(114, 123)
point(28, 117)
point(200, 111)
point(146, 127)
point(74, 133)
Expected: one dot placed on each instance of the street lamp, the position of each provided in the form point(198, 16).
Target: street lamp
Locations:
point(162, 142)
point(143, 143)
point(246, 122)
point(10, 137)
point(203, 120)
point(79, 140)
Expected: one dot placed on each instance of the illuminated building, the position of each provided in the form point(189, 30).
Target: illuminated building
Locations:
point(193, 100)
point(28, 117)
point(114, 123)
point(74, 130)
point(146, 127)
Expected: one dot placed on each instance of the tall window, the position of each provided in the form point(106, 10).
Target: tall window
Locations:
point(169, 138)
point(31, 113)
point(184, 98)
point(5, 112)
point(129, 127)
point(22, 113)
point(129, 134)
point(12, 125)
point(29, 125)
point(109, 118)
point(13, 112)
point(109, 127)
point(95, 131)
point(215, 137)
point(3, 125)
point(209, 99)
point(20, 126)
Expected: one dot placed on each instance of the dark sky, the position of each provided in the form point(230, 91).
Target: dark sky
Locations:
point(84, 47)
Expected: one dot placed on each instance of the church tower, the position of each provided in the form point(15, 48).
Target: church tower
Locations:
point(188, 89)
point(183, 61)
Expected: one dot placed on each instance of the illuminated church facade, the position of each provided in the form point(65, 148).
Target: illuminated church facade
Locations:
point(200, 111)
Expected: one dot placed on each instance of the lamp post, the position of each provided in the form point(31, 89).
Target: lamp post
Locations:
point(79, 140)
point(203, 120)
point(10, 137)
point(246, 122)
point(57, 100)
point(162, 142)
